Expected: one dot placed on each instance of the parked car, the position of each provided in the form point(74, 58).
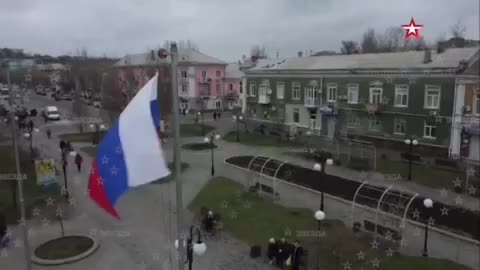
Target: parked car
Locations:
point(51, 113)
point(97, 104)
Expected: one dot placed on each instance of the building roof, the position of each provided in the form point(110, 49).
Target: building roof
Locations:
point(450, 58)
point(185, 56)
point(232, 71)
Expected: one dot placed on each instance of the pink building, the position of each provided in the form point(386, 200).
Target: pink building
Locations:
point(202, 79)
point(233, 87)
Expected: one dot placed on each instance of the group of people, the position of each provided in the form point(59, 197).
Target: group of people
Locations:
point(66, 146)
point(284, 254)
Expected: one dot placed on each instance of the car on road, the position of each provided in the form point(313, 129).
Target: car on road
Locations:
point(51, 113)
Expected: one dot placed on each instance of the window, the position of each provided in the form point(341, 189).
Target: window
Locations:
point(253, 90)
point(374, 124)
point(280, 90)
point(401, 95)
point(400, 126)
point(353, 122)
point(184, 74)
point(296, 115)
point(332, 92)
point(430, 131)
point(375, 95)
point(218, 89)
point(218, 73)
point(241, 87)
point(184, 89)
point(296, 91)
point(230, 86)
point(204, 73)
point(206, 90)
point(432, 97)
point(218, 105)
point(262, 90)
point(352, 94)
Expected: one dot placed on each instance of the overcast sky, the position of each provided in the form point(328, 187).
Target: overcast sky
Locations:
point(222, 28)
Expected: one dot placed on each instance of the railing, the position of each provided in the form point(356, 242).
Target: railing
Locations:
point(263, 99)
point(312, 102)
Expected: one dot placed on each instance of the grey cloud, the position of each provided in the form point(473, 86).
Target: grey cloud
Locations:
point(225, 29)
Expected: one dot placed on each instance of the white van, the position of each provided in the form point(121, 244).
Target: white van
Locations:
point(51, 113)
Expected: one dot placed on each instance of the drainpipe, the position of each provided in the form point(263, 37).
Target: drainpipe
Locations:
point(319, 115)
point(453, 122)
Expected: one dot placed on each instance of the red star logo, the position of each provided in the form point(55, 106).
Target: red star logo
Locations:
point(413, 29)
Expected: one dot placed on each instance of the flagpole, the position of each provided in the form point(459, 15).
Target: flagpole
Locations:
point(19, 178)
point(176, 152)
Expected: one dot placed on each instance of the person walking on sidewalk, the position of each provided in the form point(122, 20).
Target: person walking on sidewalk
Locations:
point(78, 161)
point(62, 145)
point(49, 133)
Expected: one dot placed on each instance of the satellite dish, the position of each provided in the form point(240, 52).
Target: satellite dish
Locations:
point(162, 53)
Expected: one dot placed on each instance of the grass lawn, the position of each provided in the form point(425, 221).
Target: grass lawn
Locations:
point(254, 139)
point(62, 248)
point(421, 174)
point(254, 220)
point(33, 194)
point(194, 130)
point(169, 178)
point(82, 137)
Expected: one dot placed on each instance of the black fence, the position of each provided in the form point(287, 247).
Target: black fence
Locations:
point(458, 220)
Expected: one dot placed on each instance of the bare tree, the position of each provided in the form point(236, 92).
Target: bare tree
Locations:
point(258, 52)
point(392, 40)
point(84, 52)
point(416, 44)
point(369, 42)
point(458, 30)
point(182, 44)
point(349, 47)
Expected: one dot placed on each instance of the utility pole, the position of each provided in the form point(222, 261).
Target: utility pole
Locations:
point(19, 178)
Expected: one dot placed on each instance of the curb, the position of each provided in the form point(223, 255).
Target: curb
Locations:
point(84, 255)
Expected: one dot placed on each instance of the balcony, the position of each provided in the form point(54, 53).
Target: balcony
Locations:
point(264, 99)
point(231, 95)
point(205, 80)
point(373, 108)
point(312, 102)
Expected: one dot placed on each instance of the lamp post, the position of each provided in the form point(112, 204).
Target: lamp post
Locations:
point(29, 136)
point(198, 248)
point(210, 140)
point(237, 119)
point(319, 216)
point(321, 169)
point(410, 142)
point(309, 135)
point(428, 203)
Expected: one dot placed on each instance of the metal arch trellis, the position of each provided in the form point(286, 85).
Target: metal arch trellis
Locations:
point(380, 201)
point(275, 179)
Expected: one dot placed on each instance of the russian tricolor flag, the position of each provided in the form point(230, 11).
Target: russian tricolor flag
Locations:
point(131, 153)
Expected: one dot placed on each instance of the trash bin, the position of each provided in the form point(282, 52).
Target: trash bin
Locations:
point(255, 251)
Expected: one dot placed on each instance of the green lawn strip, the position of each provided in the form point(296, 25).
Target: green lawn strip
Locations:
point(82, 137)
point(421, 174)
point(254, 220)
point(33, 194)
point(64, 247)
point(194, 130)
point(256, 140)
point(184, 166)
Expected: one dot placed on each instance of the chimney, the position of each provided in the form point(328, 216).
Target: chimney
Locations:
point(299, 54)
point(428, 56)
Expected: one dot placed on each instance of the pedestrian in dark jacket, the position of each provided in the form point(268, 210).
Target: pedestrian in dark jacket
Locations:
point(78, 161)
point(49, 133)
point(282, 253)
point(3, 231)
point(271, 251)
point(297, 255)
point(214, 116)
point(30, 125)
point(62, 145)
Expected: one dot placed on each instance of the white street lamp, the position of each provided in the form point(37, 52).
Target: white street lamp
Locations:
point(36, 130)
point(217, 137)
point(27, 135)
point(428, 203)
point(329, 161)
point(73, 153)
point(317, 167)
point(102, 126)
point(199, 248)
point(319, 215)
point(176, 243)
point(91, 126)
point(206, 140)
